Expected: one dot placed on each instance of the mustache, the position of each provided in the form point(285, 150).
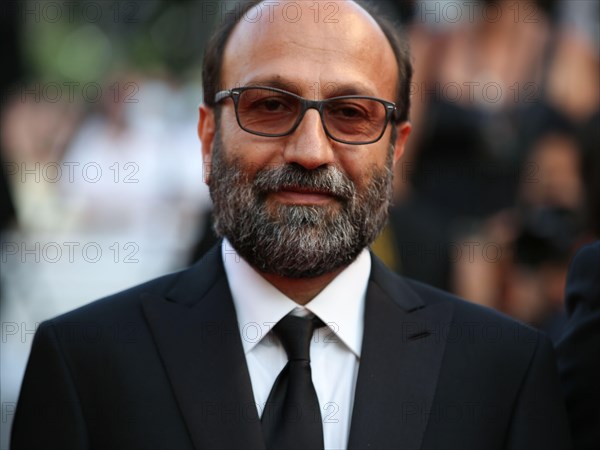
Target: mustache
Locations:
point(327, 179)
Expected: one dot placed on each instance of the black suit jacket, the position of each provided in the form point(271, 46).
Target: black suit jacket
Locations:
point(161, 366)
point(579, 348)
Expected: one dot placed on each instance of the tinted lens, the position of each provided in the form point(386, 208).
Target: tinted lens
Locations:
point(273, 113)
point(355, 119)
point(266, 111)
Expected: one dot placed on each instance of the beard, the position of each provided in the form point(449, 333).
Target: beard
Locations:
point(297, 241)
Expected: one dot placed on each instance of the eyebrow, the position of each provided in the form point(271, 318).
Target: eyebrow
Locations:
point(331, 89)
point(276, 83)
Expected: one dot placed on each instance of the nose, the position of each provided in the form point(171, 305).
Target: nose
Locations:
point(308, 145)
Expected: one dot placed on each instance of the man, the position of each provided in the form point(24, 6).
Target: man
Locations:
point(302, 124)
point(579, 347)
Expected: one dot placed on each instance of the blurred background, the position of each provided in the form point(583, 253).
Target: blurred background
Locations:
point(102, 188)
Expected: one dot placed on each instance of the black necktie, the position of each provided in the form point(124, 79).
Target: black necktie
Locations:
point(292, 417)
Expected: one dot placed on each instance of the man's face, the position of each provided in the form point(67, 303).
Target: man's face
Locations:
point(302, 205)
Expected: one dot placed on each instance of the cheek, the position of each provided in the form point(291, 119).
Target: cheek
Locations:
point(252, 153)
point(360, 163)
point(229, 129)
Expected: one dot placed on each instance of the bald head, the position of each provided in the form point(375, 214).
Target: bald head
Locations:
point(305, 37)
point(309, 22)
point(347, 56)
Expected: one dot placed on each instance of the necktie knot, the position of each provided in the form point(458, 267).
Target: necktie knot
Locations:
point(295, 334)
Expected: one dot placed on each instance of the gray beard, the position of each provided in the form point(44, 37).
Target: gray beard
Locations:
point(297, 241)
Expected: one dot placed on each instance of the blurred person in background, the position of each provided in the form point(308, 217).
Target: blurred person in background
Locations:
point(35, 136)
point(132, 130)
point(550, 226)
point(490, 85)
point(589, 136)
point(579, 347)
point(535, 282)
point(508, 170)
point(478, 89)
point(9, 35)
point(538, 237)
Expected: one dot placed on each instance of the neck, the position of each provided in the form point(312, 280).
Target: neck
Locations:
point(301, 290)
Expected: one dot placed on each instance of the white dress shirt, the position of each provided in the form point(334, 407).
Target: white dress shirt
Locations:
point(334, 351)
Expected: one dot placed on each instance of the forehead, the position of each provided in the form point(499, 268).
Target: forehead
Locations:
point(319, 48)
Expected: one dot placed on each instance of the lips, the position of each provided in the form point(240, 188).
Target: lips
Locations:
point(303, 195)
point(307, 190)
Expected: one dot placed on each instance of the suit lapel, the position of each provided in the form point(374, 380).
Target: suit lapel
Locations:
point(400, 362)
point(197, 336)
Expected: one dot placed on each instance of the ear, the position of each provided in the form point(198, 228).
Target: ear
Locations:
point(403, 131)
point(206, 133)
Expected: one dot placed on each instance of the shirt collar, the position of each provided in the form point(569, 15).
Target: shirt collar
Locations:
point(340, 305)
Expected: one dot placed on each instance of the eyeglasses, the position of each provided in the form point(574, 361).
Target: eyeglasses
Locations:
point(272, 112)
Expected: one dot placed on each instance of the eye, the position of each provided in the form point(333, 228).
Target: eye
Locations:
point(271, 104)
point(347, 111)
point(265, 102)
point(350, 112)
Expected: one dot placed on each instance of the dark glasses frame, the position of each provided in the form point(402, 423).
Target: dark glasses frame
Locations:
point(390, 109)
